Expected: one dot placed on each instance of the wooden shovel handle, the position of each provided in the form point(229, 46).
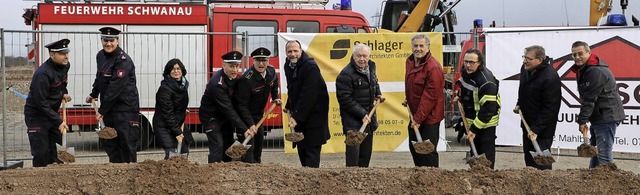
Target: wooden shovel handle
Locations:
point(375, 105)
point(181, 130)
point(95, 107)
point(266, 114)
point(64, 114)
point(464, 119)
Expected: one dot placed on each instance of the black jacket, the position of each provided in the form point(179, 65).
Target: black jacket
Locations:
point(487, 101)
point(356, 93)
point(172, 100)
point(539, 97)
point(599, 96)
point(308, 100)
point(217, 101)
point(253, 93)
point(116, 83)
point(48, 85)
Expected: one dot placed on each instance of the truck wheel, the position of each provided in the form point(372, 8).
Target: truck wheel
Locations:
point(146, 134)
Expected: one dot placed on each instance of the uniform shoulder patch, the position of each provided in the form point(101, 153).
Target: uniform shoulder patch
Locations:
point(248, 75)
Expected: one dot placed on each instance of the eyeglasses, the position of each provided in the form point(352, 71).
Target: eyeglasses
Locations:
point(577, 54)
point(177, 69)
point(470, 62)
point(527, 59)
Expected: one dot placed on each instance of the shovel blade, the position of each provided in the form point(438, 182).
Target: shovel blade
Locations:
point(534, 154)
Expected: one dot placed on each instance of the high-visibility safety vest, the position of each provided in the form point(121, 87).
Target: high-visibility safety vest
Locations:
point(480, 98)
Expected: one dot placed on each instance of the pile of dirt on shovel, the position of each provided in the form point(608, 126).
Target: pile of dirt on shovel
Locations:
point(178, 176)
point(354, 138)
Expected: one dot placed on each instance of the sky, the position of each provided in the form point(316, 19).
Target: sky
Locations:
point(507, 12)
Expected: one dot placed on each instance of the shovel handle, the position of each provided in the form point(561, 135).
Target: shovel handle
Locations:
point(375, 105)
point(64, 120)
point(416, 130)
point(181, 130)
point(464, 120)
point(289, 114)
point(264, 117)
point(64, 115)
point(95, 107)
point(526, 126)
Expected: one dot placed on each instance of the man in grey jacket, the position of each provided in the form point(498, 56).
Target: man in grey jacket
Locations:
point(601, 103)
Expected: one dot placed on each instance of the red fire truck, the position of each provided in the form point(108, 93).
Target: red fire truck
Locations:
point(155, 31)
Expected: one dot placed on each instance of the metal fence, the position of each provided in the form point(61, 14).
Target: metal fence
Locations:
point(23, 51)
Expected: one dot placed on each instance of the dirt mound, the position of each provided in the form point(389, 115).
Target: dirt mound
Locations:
point(179, 176)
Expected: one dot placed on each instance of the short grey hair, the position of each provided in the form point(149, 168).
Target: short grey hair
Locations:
point(361, 46)
point(537, 50)
point(421, 36)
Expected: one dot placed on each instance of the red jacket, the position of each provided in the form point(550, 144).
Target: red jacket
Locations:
point(424, 89)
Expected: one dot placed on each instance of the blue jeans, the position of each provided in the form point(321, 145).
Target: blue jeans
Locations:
point(602, 136)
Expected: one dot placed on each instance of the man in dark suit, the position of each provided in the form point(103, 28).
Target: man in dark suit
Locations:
point(254, 88)
point(308, 103)
point(217, 113)
point(47, 91)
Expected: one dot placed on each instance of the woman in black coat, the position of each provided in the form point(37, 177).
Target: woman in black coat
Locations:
point(172, 99)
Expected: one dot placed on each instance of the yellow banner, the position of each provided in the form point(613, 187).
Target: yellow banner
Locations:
point(389, 51)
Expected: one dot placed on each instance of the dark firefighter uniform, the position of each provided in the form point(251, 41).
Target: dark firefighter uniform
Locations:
point(481, 105)
point(116, 84)
point(48, 86)
point(253, 92)
point(217, 113)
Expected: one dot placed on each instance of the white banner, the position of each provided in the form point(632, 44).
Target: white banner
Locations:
point(618, 47)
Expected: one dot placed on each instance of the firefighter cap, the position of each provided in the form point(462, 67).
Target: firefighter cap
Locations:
point(261, 54)
point(233, 57)
point(109, 33)
point(61, 46)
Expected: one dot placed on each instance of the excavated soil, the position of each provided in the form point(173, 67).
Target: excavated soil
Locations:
point(178, 176)
point(354, 138)
point(424, 147)
point(236, 151)
point(479, 162)
point(107, 133)
point(544, 160)
point(66, 157)
point(587, 150)
point(294, 137)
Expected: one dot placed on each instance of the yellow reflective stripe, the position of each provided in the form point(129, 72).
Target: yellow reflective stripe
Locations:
point(486, 98)
point(492, 123)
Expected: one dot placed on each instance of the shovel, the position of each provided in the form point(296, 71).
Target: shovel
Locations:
point(585, 149)
point(65, 154)
point(540, 157)
point(476, 161)
point(237, 149)
point(178, 151)
point(103, 131)
point(421, 147)
point(356, 137)
point(293, 136)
